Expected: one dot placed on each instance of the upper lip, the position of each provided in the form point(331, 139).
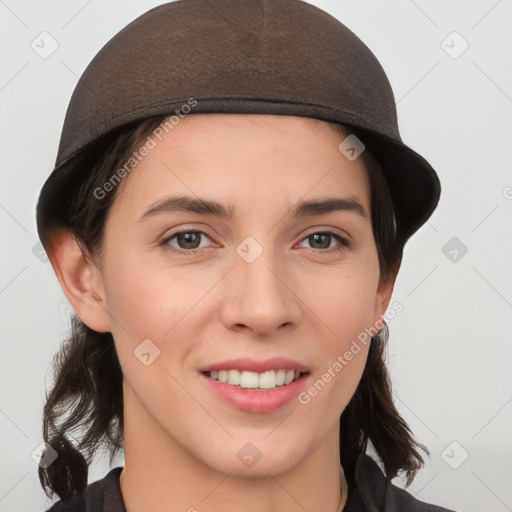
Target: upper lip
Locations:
point(250, 365)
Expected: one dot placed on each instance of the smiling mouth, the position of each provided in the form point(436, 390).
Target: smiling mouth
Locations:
point(272, 379)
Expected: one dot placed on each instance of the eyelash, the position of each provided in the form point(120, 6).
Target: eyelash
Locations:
point(343, 242)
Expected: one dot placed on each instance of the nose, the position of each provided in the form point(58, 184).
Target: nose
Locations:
point(259, 296)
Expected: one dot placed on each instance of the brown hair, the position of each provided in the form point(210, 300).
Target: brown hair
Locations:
point(87, 392)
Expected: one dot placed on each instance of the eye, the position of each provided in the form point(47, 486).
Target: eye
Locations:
point(323, 239)
point(190, 241)
point(187, 241)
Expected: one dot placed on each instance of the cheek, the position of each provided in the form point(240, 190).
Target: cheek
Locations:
point(344, 308)
point(148, 301)
point(343, 302)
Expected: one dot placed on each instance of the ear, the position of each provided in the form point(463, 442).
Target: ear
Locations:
point(383, 296)
point(80, 280)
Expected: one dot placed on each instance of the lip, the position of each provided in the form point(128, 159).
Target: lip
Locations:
point(256, 401)
point(250, 365)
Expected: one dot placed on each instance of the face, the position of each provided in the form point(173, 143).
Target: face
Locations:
point(187, 290)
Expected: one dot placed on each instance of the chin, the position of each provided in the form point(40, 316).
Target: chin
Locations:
point(256, 457)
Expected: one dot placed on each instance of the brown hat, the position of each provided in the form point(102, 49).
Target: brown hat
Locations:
point(282, 57)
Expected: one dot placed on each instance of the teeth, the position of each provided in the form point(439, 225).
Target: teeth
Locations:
point(253, 380)
point(233, 377)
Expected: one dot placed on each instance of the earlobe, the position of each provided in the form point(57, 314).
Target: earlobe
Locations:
point(80, 280)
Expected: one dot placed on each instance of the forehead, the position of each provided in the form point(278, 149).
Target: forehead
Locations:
point(242, 157)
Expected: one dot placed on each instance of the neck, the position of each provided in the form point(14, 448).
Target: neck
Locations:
point(160, 475)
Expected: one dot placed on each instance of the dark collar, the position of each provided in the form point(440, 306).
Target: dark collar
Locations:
point(374, 492)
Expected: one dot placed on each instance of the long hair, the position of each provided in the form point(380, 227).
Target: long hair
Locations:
point(87, 390)
point(371, 414)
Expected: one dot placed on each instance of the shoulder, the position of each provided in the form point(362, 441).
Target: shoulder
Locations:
point(102, 495)
point(374, 492)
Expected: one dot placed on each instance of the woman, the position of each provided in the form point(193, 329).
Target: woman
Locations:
point(227, 217)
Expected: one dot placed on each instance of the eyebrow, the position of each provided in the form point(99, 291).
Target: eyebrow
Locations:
point(205, 207)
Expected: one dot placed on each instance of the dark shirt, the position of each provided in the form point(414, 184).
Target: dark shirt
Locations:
point(370, 493)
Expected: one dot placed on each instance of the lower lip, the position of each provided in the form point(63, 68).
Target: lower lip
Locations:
point(256, 401)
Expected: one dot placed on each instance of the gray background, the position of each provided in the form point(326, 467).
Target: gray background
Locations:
point(450, 348)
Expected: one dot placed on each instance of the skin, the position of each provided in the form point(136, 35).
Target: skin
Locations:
point(299, 299)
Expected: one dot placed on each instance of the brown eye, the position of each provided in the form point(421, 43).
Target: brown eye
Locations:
point(320, 240)
point(323, 240)
point(186, 241)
